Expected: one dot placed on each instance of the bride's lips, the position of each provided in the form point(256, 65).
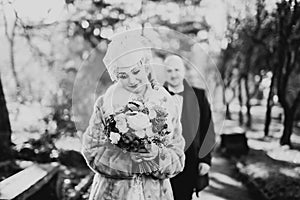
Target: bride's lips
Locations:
point(133, 86)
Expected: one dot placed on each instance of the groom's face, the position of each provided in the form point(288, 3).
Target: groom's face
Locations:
point(174, 73)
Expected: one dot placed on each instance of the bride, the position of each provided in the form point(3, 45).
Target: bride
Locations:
point(127, 60)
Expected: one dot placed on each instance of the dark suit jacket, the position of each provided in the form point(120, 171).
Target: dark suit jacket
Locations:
point(199, 136)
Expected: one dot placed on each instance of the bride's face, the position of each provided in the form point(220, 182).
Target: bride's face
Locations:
point(134, 78)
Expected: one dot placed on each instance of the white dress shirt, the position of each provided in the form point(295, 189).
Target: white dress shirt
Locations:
point(177, 98)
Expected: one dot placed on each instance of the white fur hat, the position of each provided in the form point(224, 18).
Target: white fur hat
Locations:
point(126, 49)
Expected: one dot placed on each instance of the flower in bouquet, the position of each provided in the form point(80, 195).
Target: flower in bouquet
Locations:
point(138, 121)
point(114, 137)
point(121, 123)
point(152, 114)
point(140, 133)
point(149, 132)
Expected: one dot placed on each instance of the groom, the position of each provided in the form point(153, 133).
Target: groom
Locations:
point(197, 130)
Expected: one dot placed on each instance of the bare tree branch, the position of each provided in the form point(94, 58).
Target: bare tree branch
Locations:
point(11, 40)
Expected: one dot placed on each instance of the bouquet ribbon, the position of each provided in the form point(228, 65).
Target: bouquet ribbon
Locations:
point(146, 167)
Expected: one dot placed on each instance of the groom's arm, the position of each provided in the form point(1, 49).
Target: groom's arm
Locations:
point(207, 132)
point(206, 159)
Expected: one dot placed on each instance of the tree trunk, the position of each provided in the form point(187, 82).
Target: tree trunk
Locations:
point(289, 116)
point(288, 127)
point(225, 101)
point(288, 12)
point(248, 105)
point(5, 128)
point(240, 97)
point(228, 113)
point(268, 117)
point(269, 106)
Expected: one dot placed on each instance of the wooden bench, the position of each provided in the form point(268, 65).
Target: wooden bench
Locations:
point(28, 181)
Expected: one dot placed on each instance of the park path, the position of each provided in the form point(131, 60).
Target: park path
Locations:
point(224, 183)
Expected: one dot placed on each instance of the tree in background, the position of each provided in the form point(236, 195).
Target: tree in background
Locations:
point(229, 63)
point(258, 39)
point(5, 129)
point(288, 29)
point(246, 53)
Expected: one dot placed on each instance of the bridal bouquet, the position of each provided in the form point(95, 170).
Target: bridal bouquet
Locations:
point(137, 125)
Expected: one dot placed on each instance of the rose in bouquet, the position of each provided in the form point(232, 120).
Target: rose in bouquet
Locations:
point(137, 125)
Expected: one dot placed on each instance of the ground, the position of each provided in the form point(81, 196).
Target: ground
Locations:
point(224, 182)
point(269, 167)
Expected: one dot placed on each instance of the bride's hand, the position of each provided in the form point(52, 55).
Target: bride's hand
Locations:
point(139, 157)
point(136, 157)
point(153, 152)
